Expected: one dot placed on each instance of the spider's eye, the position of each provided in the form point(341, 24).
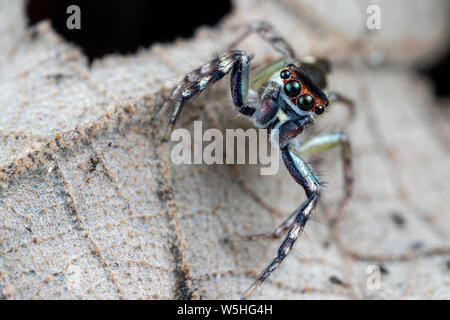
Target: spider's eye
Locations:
point(306, 102)
point(285, 74)
point(319, 109)
point(292, 88)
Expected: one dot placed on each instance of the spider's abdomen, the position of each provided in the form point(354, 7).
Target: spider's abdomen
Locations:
point(317, 69)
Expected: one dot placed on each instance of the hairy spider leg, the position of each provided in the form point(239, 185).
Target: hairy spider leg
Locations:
point(277, 233)
point(334, 97)
point(304, 175)
point(310, 147)
point(235, 62)
point(267, 33)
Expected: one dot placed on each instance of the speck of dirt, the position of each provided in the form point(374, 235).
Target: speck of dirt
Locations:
point(93, 161)
point(398, 219)
point(383, 269)
point(337, 281)
point(416, 245)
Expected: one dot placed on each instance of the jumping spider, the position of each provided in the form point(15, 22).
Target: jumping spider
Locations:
point(290, 95)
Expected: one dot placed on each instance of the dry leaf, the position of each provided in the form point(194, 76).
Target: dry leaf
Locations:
point(91, 206)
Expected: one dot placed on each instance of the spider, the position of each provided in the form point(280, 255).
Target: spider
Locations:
point(290, 94)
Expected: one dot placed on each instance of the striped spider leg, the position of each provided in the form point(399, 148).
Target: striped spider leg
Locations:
point(290, 96)
point(235, 62)
point(310, 147)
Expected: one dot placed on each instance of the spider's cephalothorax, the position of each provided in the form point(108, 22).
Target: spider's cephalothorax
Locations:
point(289, 101)
point(285, 95)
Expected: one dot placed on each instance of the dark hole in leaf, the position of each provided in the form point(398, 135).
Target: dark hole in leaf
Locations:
point(123, 26)
point(438, 72)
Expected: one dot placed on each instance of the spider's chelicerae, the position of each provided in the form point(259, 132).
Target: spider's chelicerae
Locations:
point(290, 94)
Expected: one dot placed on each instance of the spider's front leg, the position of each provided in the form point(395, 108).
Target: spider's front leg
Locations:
point(235, 62)
point(334, 97)
point(311, 147)
point(266, 31)
point(308, 179)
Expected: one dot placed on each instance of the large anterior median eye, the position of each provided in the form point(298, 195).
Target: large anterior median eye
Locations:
point(305, 102)
point(292, 88)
